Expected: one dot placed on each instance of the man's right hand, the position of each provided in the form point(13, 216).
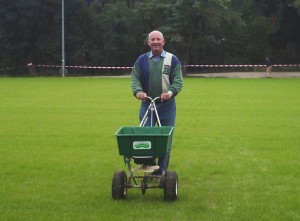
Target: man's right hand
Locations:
point(141, 95)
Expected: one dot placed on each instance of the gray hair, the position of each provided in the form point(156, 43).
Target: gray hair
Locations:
point(155, 31)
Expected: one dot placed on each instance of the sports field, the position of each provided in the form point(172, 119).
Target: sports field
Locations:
point(236, 150)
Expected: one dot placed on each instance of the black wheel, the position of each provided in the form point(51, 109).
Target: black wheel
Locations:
point(170, 186)
point(119, 182)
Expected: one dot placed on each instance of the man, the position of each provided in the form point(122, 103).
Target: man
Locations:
point(269, 67)
point(157, 74)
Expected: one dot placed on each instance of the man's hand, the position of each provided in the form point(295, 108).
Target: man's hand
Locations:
point(141, 95)
point(165, 96)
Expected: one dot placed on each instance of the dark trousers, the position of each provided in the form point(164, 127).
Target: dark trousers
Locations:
point(167, 113)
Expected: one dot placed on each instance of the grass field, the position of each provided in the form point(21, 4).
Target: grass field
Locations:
point(236, 150)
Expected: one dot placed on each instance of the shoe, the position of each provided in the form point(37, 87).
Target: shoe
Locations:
point(157, 172)
point(146, 169)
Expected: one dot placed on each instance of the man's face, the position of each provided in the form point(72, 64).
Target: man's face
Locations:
point(156, 43)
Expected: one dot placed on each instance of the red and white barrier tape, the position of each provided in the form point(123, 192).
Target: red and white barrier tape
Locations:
point(120, 68)
point(241, 65)
point(83, 67)
point(199, 65)
point(30, 65)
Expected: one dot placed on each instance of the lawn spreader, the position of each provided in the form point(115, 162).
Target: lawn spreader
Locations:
point(143, 145)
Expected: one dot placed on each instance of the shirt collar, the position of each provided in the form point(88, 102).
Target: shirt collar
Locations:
point(163, 54)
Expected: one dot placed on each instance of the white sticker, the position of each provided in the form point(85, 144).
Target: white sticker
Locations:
point(141, 145)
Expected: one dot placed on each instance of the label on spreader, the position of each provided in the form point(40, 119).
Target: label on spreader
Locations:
point(141, 145)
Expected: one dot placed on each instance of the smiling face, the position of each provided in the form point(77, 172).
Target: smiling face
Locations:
point(156, 42)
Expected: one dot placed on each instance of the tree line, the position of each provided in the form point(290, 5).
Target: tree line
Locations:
point(114, 32)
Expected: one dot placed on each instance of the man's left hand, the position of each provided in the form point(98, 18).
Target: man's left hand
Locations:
point(165, 96)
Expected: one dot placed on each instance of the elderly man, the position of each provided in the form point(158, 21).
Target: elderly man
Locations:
point(157, 74)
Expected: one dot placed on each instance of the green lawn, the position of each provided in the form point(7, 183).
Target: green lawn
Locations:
point(236, 150)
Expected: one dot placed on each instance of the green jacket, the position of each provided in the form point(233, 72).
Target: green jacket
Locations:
point(156, 77)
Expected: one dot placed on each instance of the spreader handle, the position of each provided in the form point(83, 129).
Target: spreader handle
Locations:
point(153, 99)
